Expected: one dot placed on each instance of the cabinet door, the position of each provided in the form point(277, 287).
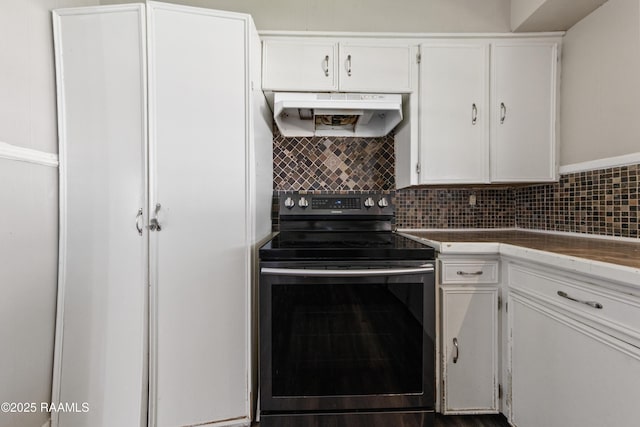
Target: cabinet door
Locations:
point(523, 142)
point(376, 68)
point(101, 329)
point(566, 374)
point(200, 257)
point(470, 349)
point(299, 65)
point(454, 113)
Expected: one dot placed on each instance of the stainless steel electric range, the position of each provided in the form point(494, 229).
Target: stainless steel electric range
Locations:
point(347, 317)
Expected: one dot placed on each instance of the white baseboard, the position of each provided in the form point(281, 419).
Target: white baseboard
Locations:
point(13, 152)
point(609, 162)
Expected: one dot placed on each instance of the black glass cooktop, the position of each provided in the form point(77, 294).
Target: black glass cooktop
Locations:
point(381, 245)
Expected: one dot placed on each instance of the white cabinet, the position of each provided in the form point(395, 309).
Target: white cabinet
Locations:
point(101, 338)
point(523, 137)
point(376, 67)
point(454, 113)
point(299, 64)
point(471, 135)
point(574, 358)
point(155, 272)
point(469, 339)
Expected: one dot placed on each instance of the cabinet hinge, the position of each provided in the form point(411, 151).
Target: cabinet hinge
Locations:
point(418, 57)
point(418, 168)
point(499, 303)
point(499, 391)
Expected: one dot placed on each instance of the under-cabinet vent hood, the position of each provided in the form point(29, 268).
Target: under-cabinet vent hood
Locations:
point(336, 114)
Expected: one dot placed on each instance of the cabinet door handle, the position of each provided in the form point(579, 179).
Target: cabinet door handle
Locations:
point(466, 273)
point(593, 304)
point(138, 218)
point(349, 65)
point(474, 114)
point(503, 112)
point(154, 224)
point(455, 346)
point(326, 66)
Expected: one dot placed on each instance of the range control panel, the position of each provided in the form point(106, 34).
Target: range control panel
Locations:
point(336, 203)
point(323, 204)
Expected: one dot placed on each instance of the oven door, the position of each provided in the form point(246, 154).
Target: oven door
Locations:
point(347, 336)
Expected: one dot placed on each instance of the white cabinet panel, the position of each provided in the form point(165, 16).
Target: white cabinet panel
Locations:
point(470, 136)
point(454, 113)
point(524, 104)
point(300, 65)
point(193, 327)
point(375, 68)
point(101, 331)
point(201, 257)
point(471, 272)
point(565, 374)
point(470, 349)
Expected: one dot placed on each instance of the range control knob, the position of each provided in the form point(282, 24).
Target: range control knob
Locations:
point(383, 203)
point(369, 203)
point(289, 203)
point(303, 202)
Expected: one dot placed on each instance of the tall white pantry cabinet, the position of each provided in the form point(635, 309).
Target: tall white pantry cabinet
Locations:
point(165, 190)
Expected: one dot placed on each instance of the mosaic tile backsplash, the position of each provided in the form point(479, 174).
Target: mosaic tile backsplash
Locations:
point(333, 164)
point(601, 202)
point(449, 208)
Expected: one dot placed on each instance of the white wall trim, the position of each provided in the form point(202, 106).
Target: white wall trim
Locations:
point(609, 162)
point(21, 154)
point(397, 35)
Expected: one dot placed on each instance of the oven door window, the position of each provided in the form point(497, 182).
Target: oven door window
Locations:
point(347, 339)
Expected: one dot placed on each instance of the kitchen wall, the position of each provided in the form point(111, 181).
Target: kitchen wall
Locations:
point(28, 204)
point(367, 15)
point(600, 102)
point(600, 94)
point(603, 201)
point(333, 164)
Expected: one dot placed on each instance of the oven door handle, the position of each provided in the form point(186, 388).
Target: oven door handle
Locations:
point(373, 272)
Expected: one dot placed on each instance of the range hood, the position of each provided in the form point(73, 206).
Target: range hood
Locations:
point(336, 114)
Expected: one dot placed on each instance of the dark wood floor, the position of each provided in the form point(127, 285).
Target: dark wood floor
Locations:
point(464, 421)
point(471, 421)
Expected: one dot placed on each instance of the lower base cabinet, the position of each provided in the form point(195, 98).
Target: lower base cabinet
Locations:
point(470, 349)
point(566, 372)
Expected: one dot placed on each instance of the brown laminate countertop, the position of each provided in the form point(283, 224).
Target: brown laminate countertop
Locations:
point(604, 250)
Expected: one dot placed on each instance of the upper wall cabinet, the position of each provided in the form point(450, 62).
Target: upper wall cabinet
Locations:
point(523, 143)
point(299, 64)
point(469, 134)
point(454, 113)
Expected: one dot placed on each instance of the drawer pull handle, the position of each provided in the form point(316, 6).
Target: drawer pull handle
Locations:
point(457, 355)
point(466, 273)
point(593, 304)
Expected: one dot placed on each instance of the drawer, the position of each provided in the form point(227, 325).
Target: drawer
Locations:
point(473, 272)
point(605, 306)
